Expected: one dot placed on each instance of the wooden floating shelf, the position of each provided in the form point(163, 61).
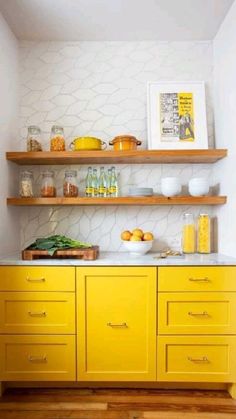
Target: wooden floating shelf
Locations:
point(123, 200)
point(116, 157)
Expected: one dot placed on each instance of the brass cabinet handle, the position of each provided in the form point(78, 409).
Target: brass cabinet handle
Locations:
point(37, 313)
point(121, 325)
point(206, 279)
point(203, 360)
point(203, 314)
point(35, 279)
point(39, 359)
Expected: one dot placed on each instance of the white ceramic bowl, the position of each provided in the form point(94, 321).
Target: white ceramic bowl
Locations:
point(138, 248)
point(170, 186)
point(198, 186)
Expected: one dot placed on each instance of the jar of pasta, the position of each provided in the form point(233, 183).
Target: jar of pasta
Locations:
point(57, 142)
point(48, 189)
point(34, 138)
point(188, 234)
point(204, 234)
point(70, 187)
point(26, 184)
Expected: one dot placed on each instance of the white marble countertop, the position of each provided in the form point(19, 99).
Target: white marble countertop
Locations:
point(125, 259)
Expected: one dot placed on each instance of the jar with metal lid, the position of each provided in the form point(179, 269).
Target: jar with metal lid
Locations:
point(34, 138)
point(188, 234)
point(48, 189)
point(26, 184)
point(57, 142)
point(70, 186)
point(204, 234)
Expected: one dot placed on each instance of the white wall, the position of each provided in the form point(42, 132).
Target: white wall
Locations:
point(99, 88)
point(225, 127)
point(9, 226)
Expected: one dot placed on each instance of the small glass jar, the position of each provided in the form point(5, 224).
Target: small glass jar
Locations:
point(70, 186)
point(204, 234)
point(26, 184)
point(48, 189)
point(34, 138)
point(188, 234)
point(57, 142)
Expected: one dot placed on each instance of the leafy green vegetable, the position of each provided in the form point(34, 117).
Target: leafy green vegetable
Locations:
point(53, 243)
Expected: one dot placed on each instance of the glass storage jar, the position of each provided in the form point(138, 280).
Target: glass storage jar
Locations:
point(57, 142)
point(204, 234)
point(70, 186)
point(26, 184)
point(188, 234)
point(48, 189)
point(34, 138)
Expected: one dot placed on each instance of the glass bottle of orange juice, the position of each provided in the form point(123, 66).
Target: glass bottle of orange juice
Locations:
point(204, 234)
point(188, 234)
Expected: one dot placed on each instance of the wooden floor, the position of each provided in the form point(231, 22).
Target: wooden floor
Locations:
point(116, 404)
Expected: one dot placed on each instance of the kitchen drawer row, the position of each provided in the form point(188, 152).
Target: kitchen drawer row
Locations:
point(118, 324)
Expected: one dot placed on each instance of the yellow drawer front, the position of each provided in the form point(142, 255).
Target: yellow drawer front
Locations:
point(196, 358)
point(197, 313)
point(37, 278)
point(37, 358)
point(117, 324)
point(204, 278)
point(37, 312)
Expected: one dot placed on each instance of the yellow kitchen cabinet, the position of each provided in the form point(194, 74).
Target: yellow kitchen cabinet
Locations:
point(37, 278)
point(196, 313)
point(37, 312)
point(116, 317)
point(197, 278)
point(37, 358)
point(196, 358)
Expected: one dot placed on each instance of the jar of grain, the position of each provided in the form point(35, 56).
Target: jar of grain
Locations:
point(204, 234)
point(57, 142)
point(70, 187)
point(48, 189)
point(26, 184)
point(188, 234)
point(34, 138)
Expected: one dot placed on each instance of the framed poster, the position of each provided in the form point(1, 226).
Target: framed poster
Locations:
point(177, 115)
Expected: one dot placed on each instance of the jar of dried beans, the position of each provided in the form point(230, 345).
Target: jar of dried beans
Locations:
point(34, 139)
point(26, 184)
point(57, 142)
point(70, 186)
point(48, 189)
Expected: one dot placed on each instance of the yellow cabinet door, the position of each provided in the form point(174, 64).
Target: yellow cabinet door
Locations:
point(37, 312)
point(196, 358)
point(194, 278)
point(37, 278)
point(37, 358)
point(197, 313)
point(116, 323)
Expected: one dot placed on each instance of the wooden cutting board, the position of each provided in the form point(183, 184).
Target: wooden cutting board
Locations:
point(88, 253)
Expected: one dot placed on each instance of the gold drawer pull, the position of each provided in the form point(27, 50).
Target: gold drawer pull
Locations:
point(35, 279)
point(206, 279)
point(121, 325)
point(37, 359)
point(203, 360)
point(37, 313)
point(203, 314)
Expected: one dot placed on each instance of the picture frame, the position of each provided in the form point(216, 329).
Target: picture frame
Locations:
point(176, 115)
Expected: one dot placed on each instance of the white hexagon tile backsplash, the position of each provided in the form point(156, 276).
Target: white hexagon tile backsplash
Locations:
point(99, 88)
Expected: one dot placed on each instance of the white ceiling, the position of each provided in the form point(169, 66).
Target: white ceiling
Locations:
point(114, 20)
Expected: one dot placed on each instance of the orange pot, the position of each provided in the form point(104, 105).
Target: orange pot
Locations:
point(125, 142)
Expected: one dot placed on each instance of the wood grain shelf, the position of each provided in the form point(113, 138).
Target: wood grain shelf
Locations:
point(116, 157)
point(124, 200)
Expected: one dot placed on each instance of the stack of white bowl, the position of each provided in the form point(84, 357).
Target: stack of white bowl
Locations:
point(198, 186)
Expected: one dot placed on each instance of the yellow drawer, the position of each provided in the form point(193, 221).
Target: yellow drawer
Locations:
point(197, 313)
point(37, 312)
point(192, 278)
point(196, 358)
point(37, 358)
point(37, 278)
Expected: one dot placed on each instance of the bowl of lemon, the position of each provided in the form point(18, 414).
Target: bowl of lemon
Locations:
point(137, 242)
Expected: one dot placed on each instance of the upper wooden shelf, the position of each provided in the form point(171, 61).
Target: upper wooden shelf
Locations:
point(115, 157)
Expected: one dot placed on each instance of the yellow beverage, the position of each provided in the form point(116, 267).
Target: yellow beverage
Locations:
point(203, 234)
point(188, 238)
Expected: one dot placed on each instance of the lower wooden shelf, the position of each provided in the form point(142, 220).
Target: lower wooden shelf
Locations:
point(121, 200)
